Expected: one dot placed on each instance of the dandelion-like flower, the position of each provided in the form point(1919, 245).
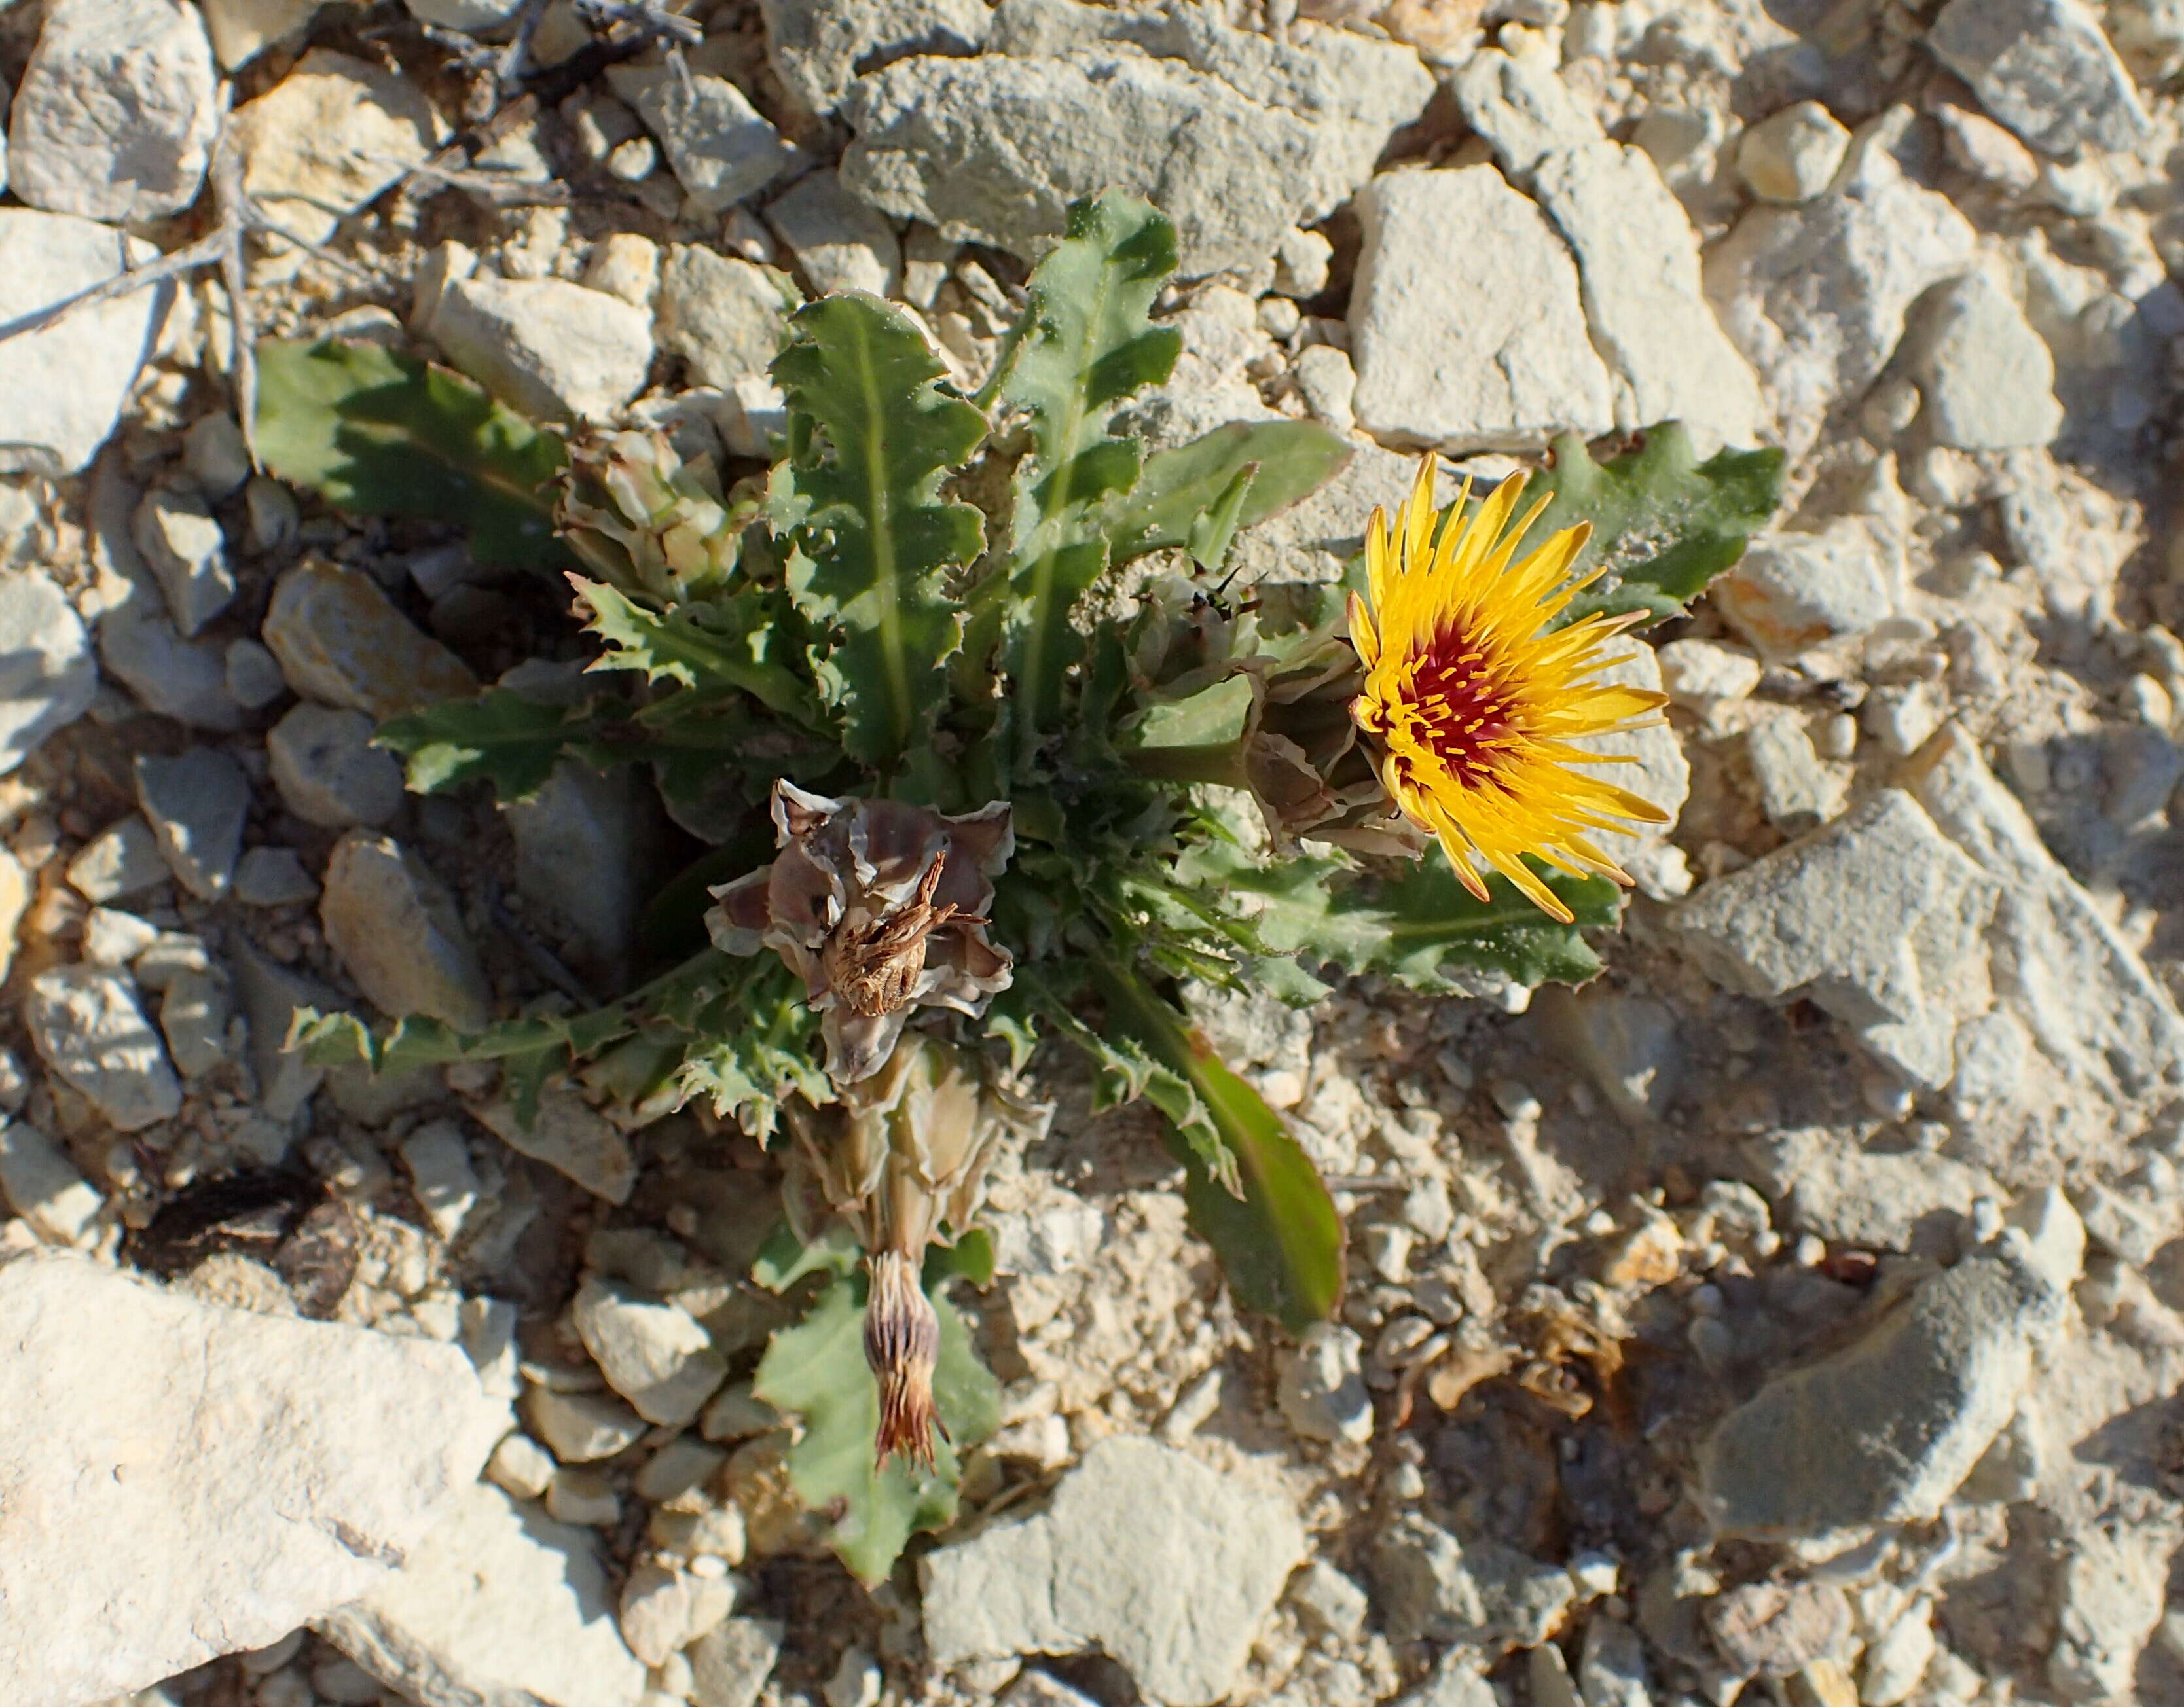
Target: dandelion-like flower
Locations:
point(1476, 701)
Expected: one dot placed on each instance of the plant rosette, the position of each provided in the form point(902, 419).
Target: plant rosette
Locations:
point(997, 821)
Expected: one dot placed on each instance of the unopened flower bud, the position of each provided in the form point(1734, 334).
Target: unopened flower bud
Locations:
point(646, 522)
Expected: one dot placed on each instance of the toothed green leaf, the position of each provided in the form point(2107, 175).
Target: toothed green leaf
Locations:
point(709, 646)
point(1087, 344)
point(380, 434)
point(1664, 523)
point(499, 738)
point(871, 437)
point(1294, 459)
point(1413, 922)
point(817, 1371)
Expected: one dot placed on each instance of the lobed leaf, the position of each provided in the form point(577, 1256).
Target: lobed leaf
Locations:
point(1664, 523)
point(872, 436)
point(1293, 459)
point(711, 646)
point(380, 434)
point(816, 1371)
point(1086, 344)
point(1413, 922)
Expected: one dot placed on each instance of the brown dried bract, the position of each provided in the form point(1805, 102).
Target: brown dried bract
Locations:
point(880, 907)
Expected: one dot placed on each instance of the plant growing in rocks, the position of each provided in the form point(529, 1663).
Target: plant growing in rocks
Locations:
point(990, 754)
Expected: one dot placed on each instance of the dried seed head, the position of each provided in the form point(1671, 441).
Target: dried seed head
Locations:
point(647, 523)
point(902, 1156)
point(880, 907)
point(902, 1344)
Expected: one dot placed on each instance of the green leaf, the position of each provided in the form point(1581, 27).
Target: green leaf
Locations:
point(1276, 1231)
point(712, 646)
point(1213, 716)
point(755, 1047)
point(1086, 344)
point(1293, 458)
point(785, 1258)
point(1664, 523)
point(380, 434)
point(1214, 532)
point(1413, 922)
point(500, 737)
point(871, 437)
point(816, 1371)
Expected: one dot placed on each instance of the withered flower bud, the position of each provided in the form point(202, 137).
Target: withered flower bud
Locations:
point(880, 907)
point(902, 1344)
point(902, 1157)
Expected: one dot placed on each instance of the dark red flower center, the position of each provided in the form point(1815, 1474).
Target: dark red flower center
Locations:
point(1466, 712)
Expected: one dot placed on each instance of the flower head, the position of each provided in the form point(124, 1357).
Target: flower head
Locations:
point(880, 907)
point(1475, 700)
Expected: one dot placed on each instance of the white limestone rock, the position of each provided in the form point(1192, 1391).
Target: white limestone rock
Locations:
point(329, 138)
point(1878, 918)
point(340, 641)
point(242, 29)
point(399, 934)
point(2095, 1012)
point(39, 1182)
point(124, 859)
point(553, 350)
point(718, 145)
point(1793, 592)
point(839, 242)
point(183, 543)
point(328, 772)
point(1988, 379)
point(1792, 155)
point(66, 383)
point(1466, 325)
point(725, 317)
point(1815, 296)
point(1322, 1392)
point(1637, 257)
point(190, 1481)
point(47, 677)
point(115, 115)
point(1167, 1565)
point(90, 1031)
point(1887, 1429)
point(197, 803)
point(2045, 69)
point(818, 51)
point(500, 1606)
point(1237, 137)
point(655, 1355)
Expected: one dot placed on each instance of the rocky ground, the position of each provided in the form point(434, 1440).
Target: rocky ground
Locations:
point(1794, 1314)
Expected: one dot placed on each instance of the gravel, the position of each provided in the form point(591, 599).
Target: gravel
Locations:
point(1704, 1327)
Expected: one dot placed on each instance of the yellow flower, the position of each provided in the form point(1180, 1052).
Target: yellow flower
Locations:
point(1475, 700)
